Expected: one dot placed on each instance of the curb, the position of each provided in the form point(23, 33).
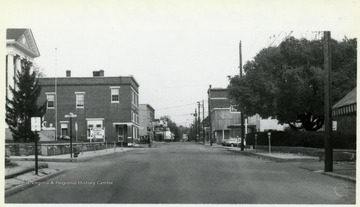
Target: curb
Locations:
point(26, 170)
point(63, 159)
point(331, 174)
point(275, 159)
point(343, 177)
point(22, 187)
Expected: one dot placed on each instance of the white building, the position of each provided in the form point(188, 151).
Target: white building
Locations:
point(20, 45)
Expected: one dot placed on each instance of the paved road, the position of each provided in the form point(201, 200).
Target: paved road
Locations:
point(187, 173)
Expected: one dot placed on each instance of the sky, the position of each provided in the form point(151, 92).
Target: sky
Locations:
point(174, 49)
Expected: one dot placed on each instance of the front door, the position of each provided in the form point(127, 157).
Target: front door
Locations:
point(121, 133)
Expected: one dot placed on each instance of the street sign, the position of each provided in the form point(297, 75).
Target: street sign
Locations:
point(35, 124)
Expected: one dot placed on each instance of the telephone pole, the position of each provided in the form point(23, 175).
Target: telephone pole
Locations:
point(195, 122)
point(199, 124)
point(327, 105)
point(242, 114)
point(203, 127)
point(209, 114)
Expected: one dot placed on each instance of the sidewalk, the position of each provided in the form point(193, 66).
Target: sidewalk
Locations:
point(22, 176)
point(83, 156)
point(341, 170)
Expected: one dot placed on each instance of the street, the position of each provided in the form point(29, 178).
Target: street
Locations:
point(186, 173)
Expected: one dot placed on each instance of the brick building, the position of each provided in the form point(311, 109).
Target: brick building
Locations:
point(146, 116)
point(225, 120)
point(106, 107)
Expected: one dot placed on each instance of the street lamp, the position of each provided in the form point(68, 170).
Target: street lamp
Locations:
point(70, 115)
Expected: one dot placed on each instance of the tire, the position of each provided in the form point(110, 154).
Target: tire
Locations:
point(232, 145)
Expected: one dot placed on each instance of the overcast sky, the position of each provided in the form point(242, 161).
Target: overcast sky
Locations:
point(174, 49)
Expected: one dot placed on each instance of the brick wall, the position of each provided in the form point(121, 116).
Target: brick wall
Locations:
point(97, 103)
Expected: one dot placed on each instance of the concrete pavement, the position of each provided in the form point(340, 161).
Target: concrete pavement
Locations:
point(185, 173)
point(341, 170)
point(22, 176)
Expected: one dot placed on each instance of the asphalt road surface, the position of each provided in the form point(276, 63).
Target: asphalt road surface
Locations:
point(186, 173)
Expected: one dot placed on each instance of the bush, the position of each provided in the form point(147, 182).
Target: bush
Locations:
point(340, 140)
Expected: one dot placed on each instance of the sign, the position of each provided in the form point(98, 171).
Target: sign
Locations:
point(98, 133)
point(35, 124)
point(334, 125)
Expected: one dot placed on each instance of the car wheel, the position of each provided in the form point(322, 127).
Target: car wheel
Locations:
point(232, 145)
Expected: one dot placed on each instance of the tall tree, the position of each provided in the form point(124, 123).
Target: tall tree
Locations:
point(23, 105)
point(286, 82)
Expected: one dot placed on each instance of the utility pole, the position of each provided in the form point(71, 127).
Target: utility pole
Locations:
point(209, 114)
point(195, 116)
point(242, 114)
point(203, 127)
point(327, 105)
point(199, 124)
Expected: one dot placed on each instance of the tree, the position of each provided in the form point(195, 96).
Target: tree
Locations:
point(23, 105)
point(172, 126)
point(286, 82)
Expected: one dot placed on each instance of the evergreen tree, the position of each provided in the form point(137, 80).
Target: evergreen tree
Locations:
point(23, 105)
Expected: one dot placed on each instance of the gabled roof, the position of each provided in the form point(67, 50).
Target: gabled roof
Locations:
point(346, 105)
point(349, 99)
point(23, 39)
point(14, 34)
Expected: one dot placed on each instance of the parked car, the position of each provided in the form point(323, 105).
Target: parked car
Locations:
point(233, 142)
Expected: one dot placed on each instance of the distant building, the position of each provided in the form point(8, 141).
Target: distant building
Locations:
point(106, 107)
point(20, 45)
point(258, 124)
point(146, 116)
point(225, 119)
point(160, 130)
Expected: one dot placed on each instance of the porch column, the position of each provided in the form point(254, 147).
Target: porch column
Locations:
point(17, 68)
point(10, 74)
point(223, 135)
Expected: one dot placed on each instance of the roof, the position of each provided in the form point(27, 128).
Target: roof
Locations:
point(14, 34)
point(23, 39)
point(97, 80)
point(348, 99)
point(346, 105)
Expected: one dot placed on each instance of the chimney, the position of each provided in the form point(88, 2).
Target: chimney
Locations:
point(98, 73)
point(68, 73)
point(95, 73)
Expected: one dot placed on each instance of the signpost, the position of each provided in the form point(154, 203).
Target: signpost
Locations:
point(36, 127)
point(70, 115)
point(255, 142)
point(269, 135)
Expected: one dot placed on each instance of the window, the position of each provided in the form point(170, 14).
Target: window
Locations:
point(64, 129)
point(115, 94)
point(50, 101)
point(233, 109)
point(79, 99)
point(134, 98)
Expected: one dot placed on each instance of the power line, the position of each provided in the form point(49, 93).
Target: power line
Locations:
point(275, 39)
point(176, 106)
